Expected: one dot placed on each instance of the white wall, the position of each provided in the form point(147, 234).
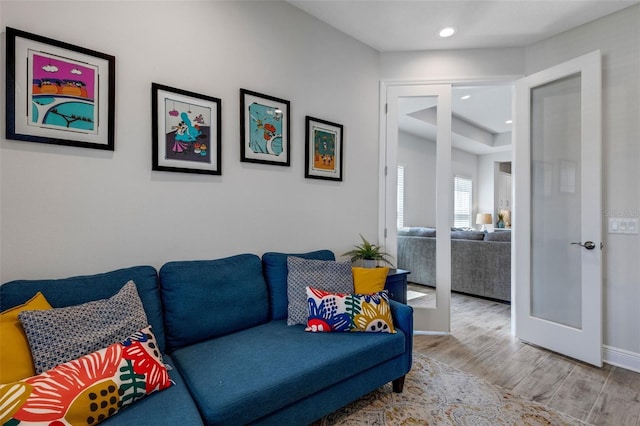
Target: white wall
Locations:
point(618, 38)
point(419, 157)
point(68, 211)
point(486, 181)
point(452, 65)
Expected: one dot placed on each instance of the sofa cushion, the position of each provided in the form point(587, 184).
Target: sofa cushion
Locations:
point(60, 335)
point(500, 236)
point(275, 273)
point(369, 280)
point(286, 366)
point(81, 289)
point(467, 235)
point(172, 406)
point(326, 275)
point(209, 298)
point(16, 362)
point(92, 388)
point(329, 312)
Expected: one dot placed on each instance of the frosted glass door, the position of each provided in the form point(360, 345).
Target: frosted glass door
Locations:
point(557, 208)
point(556, 267)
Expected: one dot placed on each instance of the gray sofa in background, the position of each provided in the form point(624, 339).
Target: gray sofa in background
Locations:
point(480, 262)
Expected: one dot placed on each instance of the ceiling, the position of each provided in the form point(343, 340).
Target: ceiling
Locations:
point(401, 25)
point(476, 128)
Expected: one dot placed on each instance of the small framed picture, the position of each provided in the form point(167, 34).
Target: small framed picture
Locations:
point(264, 129)
point(59, 93)
point(186, 131)
point(323, 149)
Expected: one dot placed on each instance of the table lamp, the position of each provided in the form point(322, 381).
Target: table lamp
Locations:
point(484, 219)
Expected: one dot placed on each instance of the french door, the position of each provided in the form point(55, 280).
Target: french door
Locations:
point(431, 106)
point(557, 267)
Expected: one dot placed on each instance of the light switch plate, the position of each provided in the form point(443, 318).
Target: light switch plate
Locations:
point(623, 225)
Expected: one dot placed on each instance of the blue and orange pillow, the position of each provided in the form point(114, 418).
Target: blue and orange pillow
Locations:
point(331, 312)
point(89, 389)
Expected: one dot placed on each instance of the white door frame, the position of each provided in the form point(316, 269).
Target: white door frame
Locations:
point(387, 232)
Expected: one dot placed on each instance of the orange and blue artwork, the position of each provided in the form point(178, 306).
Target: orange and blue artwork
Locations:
point(265, 129)
point(63, 93)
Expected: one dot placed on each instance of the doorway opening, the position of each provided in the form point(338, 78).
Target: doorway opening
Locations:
point(480, 185)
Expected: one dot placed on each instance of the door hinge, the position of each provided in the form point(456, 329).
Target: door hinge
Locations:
point(385, 170)
point(385, 232)
point(386, 108)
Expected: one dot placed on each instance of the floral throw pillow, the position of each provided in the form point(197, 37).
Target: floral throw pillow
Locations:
point(89, 389)
point(348, 312)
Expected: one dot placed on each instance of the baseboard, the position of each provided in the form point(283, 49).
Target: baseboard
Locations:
point(621, 358)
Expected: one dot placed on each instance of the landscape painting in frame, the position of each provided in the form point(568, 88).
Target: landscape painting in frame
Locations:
point(186, 131)
point(59, 93)
point(264, 129)
point(323, 149)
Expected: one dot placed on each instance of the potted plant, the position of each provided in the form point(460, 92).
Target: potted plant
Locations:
point(369, 253)
point(500, 219)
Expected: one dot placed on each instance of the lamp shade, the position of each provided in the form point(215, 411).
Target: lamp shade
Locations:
point(483, 218)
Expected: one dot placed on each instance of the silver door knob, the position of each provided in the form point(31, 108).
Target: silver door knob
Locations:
point(589, 245)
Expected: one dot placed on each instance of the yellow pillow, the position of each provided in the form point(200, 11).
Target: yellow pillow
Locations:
point(369, 280)
point(15, 356)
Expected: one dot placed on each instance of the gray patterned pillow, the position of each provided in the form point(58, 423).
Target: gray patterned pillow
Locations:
point(328, 275)
point(60, 335)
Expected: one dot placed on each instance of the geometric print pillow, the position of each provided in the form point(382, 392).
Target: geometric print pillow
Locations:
point(90, 389)
point(323, 274)
point(63, 334)
point(330, 312)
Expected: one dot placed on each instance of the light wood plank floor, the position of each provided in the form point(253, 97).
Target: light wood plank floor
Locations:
point(481, 343)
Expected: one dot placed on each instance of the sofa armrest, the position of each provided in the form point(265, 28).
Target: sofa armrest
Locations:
point(403, 320)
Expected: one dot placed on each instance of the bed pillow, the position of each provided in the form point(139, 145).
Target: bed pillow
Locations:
point(89, 389)
point(369, 280)
point(330, 312)
point(16, 362)
point(323, 274)
point(63, 334)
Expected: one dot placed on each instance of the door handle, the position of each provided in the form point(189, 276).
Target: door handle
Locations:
point(589, 245)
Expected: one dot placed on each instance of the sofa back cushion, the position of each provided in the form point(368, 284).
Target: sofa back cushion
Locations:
point(276, 272)
point(467, 235)
point(82, 289)
point(500, 236)
point(417, 231)
point(208, 298)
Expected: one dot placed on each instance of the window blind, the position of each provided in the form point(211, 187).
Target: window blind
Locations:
point(462, 202)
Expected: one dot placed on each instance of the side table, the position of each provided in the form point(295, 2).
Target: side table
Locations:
point(396, 285)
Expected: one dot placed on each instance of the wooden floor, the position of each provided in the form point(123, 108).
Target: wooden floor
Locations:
point(481, 343)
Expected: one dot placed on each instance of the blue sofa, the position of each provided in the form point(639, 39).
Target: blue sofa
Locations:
point(221, 325)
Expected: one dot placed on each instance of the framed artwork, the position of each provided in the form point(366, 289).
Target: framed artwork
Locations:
point(186, 131)
point(323, 149)
point(59, 93)
point(264, 129)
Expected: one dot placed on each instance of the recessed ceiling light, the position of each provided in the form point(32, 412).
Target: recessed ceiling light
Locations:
point(447, 32)
point(465, 97)
point(508, 122)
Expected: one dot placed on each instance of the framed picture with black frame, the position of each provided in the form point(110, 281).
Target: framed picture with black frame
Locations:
point(59, 93)
point(264, 129)
point(323, 149)
point(186, 131)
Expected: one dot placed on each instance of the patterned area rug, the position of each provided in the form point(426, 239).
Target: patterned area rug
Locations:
point(436, 394)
